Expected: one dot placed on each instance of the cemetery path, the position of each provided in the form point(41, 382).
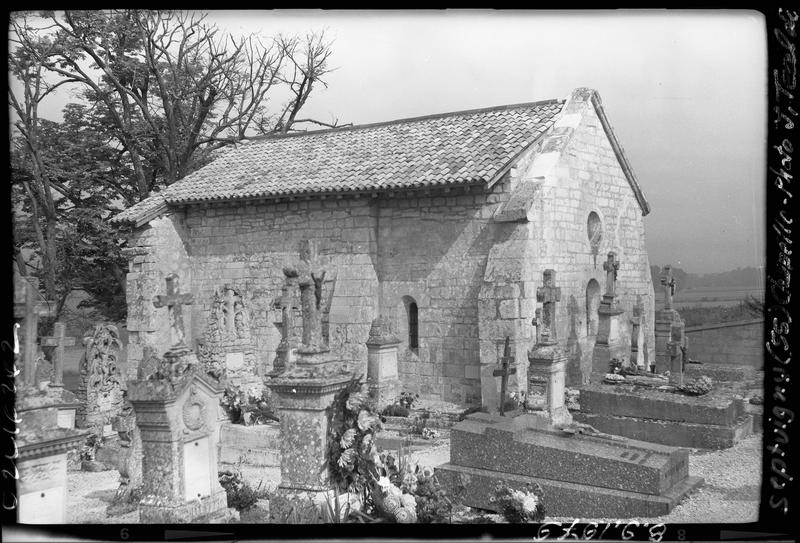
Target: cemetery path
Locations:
point(89, 493)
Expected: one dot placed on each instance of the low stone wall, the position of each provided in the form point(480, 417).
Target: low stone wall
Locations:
point(739, 343)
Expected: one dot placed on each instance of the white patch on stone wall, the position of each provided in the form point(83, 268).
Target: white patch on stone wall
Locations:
point(617, 245)
point(543, 165)
point(570, 120)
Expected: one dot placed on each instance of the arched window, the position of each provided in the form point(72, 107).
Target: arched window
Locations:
point(408, 321)
point(413, 326)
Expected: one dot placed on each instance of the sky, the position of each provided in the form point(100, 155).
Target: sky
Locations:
point(685, 92)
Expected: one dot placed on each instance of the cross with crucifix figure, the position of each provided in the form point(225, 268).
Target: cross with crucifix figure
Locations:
point(611, 266)
point(310, 275)
point(548, 295)
point(174, 301)
point(669, 286)
point(506, 369)
point(59, 340)
point(31, 310)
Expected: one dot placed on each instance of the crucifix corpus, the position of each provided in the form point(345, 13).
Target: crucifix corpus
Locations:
point(174, 301)
point(506, 369)
point(669, 286)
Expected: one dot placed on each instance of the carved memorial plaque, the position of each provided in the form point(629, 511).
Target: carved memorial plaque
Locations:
point(197, 462)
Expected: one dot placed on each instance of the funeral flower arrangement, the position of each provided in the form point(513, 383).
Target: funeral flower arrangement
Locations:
point(519, 506)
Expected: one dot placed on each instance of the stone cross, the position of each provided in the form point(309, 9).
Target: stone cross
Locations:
point(503, 372)
point(611, 266)
point(31, 310)
point(669, 286)
point(173, 300)
point(548, 295)
point(310, 275)
point(59, 340)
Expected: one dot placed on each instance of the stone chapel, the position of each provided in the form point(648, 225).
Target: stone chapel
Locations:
point(442, 225)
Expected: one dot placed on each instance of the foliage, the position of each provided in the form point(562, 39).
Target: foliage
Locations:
point(433, 503)
point(429, 433)
point(245, 408)
point(519, 506)
point(90, 446)
point(697, 387)
point(352, 427)
point(158, 93)
point(395, 410)
point(401, 406)
point(241, 495)
point(420, 422)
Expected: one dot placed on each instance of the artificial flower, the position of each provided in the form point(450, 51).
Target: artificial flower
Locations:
point(405, 516)
point(394, 491)
point(408, 501)
point(347, 438)
point(366, 420)
point(384, 483)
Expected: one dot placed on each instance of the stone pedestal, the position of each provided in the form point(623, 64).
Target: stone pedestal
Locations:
point(546, 374)
point(42, 463)
point(663, 330)
point(382, 376)
point(304, 395)
point(581, 475)
point(177, 413)
point(608, 343)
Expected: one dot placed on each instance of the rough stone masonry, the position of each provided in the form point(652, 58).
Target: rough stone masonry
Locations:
point(440, 224)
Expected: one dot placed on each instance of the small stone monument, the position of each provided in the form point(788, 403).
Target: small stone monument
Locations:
point(637, 354)
point(29, 308)
point(129, 462)
point(607, 343)
point(177, 412)
point(675, 346)
point(382, 376)
point(284, 353)
point(547, 360)
point(305, 394)
point(665, 318)
point(41, 444)
point(100, 389)
point(505, 370)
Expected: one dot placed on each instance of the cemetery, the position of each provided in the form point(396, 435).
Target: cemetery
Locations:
point(401, 349)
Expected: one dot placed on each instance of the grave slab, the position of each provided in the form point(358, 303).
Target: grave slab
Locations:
point(582, 475)
point(712, 421)
point(257, 445)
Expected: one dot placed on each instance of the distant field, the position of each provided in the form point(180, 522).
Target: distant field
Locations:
point(711, 296)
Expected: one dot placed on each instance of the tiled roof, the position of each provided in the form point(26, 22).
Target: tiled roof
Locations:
point(142, 211)
point(452, 148)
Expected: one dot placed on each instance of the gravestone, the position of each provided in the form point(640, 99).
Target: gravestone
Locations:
point(41, 445)
point(664, 320)
point(547, 361)
point(29, 307)
point(177, 412)
point(67, 411)
point(583, 473)
point(382, 376)
point(637, 337)
point(608, 343)
point(305, 394)
point(505, 370)
point(100, 389)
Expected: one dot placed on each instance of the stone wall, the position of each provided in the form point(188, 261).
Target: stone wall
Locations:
point(738, 343)
point(589, 179)
point(155, 251)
